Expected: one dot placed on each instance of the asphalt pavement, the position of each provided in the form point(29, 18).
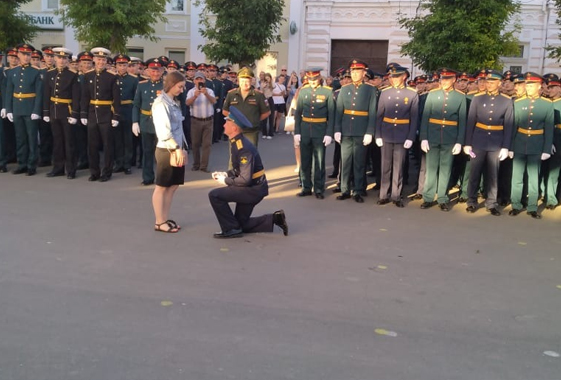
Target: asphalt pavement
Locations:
point(89, 291)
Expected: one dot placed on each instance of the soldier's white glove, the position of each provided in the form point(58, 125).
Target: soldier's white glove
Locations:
point(425, 146)
point(327, 140)
point(553, 149)
point(34, 116)
point(467, 150)
point(510, 154)
point(367, 140)
point(456, 149)
point(297, 139)
point(72, 121)
point(218, 110)
point(10, 116)
point(545, 156)
point(379, 142)
point(408, 144)
point(135, 129)
point(84, 121)
point(503, 154)
point(3, 113)
point(114, 123)
point(46, 119)
point(338, 137)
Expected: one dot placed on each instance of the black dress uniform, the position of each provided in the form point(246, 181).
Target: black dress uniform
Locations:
point(488, 131)
point(100, 104)
point(3, 157)
point(61, 101)
point(246, 185)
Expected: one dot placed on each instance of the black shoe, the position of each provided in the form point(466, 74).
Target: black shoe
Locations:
point(279, 219)
point(127, 171)
point(304, 193)
point(494, 211)
point(514, 212)
point(19, 171)
point(376, 187)
point(235, 233)
point(44, 164)
point(31, 172)
point(503, 203)
point(71, 176)
point(336, 190)
point(104, 178)
point(534, 214)
point(550, 207)
point(471, 209)
point(343, 196)
point(358, 198)
point(444, 207)
point(118, 170)
point(333, 175)
point(3, 169)
point(83, 166)
point(319, 196)
point(399, 204)
point(194, 169)
point(147, 183)
point(93, 178)
point(205, 170)
point(426, 205)
point(55, 174)
point(462, 200)
point(416, 197)
point(383, 201)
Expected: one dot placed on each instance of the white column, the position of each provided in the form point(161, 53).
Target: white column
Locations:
point(196, 37)
point(295, 40)
point(70, 40)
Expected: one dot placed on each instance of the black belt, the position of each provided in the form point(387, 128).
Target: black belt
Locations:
point(202, 118)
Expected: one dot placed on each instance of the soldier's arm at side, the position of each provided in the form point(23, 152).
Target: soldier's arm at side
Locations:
point(462, 116)
point(76, 90)
point(330, 115)
point(549, 127)
point(47, 96)
point(414, 124)
point(116, 98)
point(508, 127)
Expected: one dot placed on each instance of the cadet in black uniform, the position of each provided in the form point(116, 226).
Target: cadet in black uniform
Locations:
point(246, 185)
point(61, 101)
point(100, 105)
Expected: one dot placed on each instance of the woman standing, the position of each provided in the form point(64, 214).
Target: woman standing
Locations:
point(267, 89)
point(279, 94)
point(166, 113)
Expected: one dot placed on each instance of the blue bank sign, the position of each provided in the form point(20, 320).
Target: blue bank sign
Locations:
point(46, 20)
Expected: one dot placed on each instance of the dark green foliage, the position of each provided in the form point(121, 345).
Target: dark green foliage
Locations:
point(465, 35)
point(15, 28)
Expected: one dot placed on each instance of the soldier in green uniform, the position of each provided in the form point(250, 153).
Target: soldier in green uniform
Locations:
point(531, 143)
point(8, 126)
point(142, 123)
point(250, 102)
point(442, 134)
point(3, 159)
point(123, 132)
point(61, 102)
point(24, 95)
point(313, 131)
point(554, 91)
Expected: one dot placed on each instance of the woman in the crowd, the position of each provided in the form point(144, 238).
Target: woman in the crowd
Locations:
point(166, 113)
point(279, 94)
point(267, 125)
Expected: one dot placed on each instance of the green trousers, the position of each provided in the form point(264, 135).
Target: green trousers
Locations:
point(26, 141)
point(529, 163)
point(438, 169)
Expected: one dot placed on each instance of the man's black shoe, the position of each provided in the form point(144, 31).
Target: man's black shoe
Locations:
point(147, 183)
point(494, 211)
point(319, 196)
point(55, 174)
point(336, 190)
point(471, 209)
point(416, 197)
point(534, 214)
point(550, 207)
point(119, 170)
point(3, 169)
point(235, 233)
point(462, 200)
point(104, 178)
point(358, 198)
point(71, 175)
point(127, 171)
point(304, 193)
point(426, 205)
point(19, 170)
point(31, 172)
point(343, 196)
point(444, 207)
point(93, 178)
point(383, 201)
point(514, 212)
point(279, 219)
point(333, 175)
point(399, 204)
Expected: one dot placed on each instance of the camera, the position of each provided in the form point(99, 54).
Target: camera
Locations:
point(201, 85)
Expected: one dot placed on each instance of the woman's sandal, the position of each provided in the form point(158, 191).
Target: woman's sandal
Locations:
point(171, 228)
point(174, 224)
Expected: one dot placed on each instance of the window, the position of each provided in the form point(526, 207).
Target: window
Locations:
point(516, 69)
point(520, 53)
point(50, 5)
point(177, 55)
point(176, 6)
point(136, 52)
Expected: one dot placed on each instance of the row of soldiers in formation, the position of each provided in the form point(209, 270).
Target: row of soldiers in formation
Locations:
point(498, 138)
point(60, 114)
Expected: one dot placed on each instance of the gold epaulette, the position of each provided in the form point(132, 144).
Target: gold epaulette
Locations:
point(547, 99)
point(556, 100)
point(132, 75)
point(506, 96)
point(239, 144)
point(328, 87)
point(386, 88)
point(435, 89)
point(143, 81)
point(473, 93)
point(348, 84)
point(521, 98)
point(479, 94)
point(51, 69)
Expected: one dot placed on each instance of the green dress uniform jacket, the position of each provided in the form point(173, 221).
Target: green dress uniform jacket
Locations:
point(146, 92)
point(444, 118)
point(127, 85)
point(533, 125)
point(554, 162)
point(356, 110)
point(24, 91)
point(315, 112)
point(252, 106)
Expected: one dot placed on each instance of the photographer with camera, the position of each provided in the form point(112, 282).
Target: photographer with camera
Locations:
point(202, 113)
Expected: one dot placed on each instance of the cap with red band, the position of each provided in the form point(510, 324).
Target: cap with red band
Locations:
point(25, 48)
point(532, 77)
point(356, 64)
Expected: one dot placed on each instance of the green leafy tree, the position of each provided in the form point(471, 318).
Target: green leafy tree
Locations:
point(240, 31)
point(555, 51)
point(110, 23)
point(15, 27)
point(465, 35)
